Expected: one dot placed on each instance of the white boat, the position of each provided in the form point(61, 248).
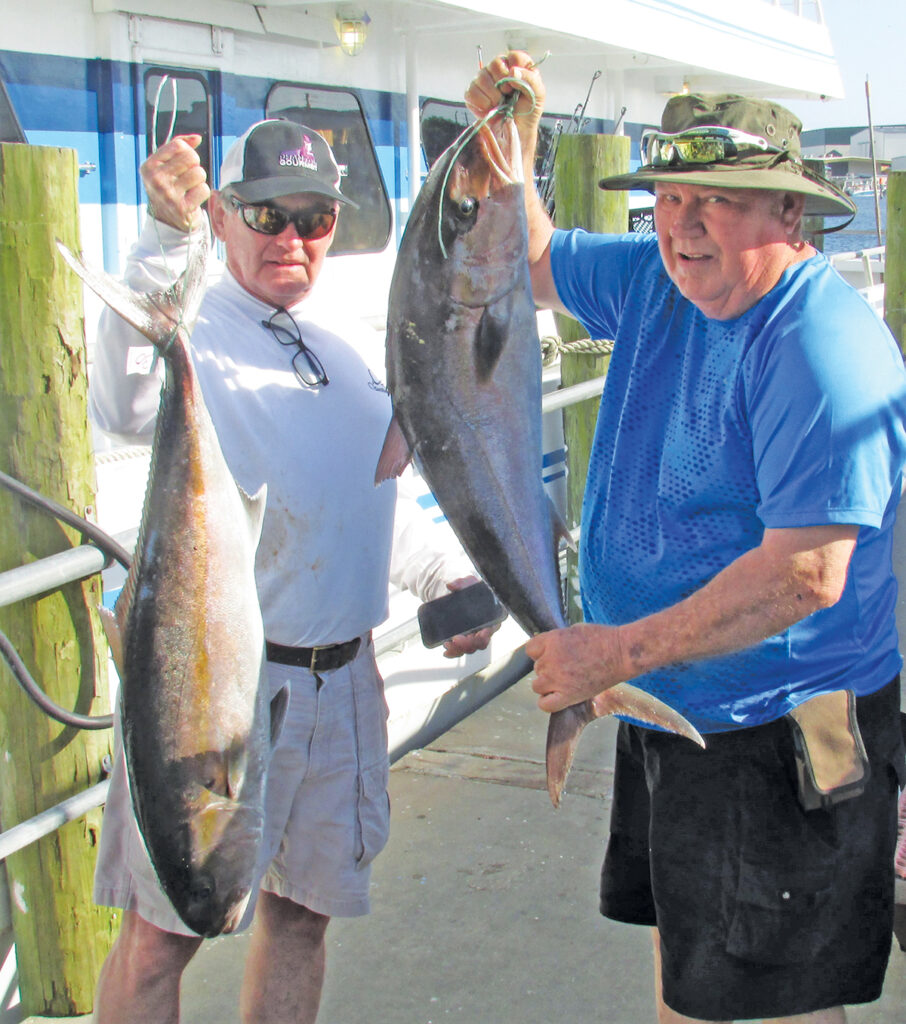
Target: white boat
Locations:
point(855, 186)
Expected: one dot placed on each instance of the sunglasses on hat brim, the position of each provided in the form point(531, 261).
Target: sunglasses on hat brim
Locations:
point(705, 144)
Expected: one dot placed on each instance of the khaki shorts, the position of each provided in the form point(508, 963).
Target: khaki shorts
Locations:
point(327, 811)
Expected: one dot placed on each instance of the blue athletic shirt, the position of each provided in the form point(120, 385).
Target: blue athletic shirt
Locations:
point(709, 432)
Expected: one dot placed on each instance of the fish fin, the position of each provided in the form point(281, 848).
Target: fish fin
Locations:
point(156, 315)
point(114, 637)
point(624, 699)
point(255, 505)
point(189, 289)
point(279, 704)
point(491, 336)
point(395, 455)
point(563, 731)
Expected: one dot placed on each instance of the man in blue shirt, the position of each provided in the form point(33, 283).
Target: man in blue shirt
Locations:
point(736, 562)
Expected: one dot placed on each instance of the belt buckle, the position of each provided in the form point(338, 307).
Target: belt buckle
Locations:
point(336, 655)
point(315, 651)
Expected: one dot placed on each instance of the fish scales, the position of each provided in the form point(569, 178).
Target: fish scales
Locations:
point(188, 639)
point(464, 370)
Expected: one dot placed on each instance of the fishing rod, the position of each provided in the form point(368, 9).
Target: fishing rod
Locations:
point(577, 122)
point(619, 120)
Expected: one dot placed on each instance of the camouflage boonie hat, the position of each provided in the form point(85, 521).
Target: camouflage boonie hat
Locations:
point(731, 141)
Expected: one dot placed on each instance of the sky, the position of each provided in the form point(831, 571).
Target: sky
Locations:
point(869, 39)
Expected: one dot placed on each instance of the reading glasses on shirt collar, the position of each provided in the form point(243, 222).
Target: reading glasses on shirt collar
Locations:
point(706, 144)
point(266, 219)
point(306, 364)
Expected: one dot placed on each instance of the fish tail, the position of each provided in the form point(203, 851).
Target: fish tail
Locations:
point(563, 731)
point(628, 700)
point(566, 726)
point(156, 315)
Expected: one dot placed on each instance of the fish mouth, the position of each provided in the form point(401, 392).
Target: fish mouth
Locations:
point(499, 142)
point(490, 162)
point(209, 913)
point(481, 213)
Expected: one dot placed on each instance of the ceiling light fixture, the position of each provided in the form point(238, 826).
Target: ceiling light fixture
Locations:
point(352, 29)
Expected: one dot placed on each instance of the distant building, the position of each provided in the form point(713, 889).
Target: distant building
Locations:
point(846, 153)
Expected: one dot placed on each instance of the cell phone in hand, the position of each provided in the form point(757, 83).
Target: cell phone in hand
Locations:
point(461, 611)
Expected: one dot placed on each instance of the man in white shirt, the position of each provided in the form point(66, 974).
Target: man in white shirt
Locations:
point(294, 392)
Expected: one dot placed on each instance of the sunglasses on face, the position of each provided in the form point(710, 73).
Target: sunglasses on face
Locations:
point(704, 145)
point(306, 364)
point(266, 219)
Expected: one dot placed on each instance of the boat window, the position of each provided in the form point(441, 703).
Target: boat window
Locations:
point(10, 129)
point(187, 92)
point(338, 116)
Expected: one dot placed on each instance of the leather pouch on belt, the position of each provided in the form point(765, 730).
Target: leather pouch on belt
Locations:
point(830, 757)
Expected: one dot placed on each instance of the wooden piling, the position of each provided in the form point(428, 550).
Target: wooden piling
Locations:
point(582, 160)
point(895, 258)
point(61, 937)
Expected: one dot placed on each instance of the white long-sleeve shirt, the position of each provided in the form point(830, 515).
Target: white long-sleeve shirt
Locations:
point(330, 539)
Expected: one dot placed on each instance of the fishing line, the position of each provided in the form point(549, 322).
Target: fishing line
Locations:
point(155, 111)
point(505, 109)
point(173, 278)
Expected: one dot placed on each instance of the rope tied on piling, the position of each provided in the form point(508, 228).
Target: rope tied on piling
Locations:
point(553, 346)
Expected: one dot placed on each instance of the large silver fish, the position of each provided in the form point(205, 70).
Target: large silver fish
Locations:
point(187, 636)
point(464, 370)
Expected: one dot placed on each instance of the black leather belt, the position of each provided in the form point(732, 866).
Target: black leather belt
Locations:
point(316, 659)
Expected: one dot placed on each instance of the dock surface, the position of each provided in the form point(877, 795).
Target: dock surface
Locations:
point(484, 903)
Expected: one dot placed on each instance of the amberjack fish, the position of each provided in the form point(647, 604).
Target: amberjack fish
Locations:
point(464, 371)
point(187, 637)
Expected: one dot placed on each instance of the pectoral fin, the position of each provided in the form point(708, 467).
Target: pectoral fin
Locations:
point(493, 331)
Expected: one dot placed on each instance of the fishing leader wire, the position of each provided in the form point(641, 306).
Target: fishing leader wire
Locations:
point(505, 109)
point(172, 286)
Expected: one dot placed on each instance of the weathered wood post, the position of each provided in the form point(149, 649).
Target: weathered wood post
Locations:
point(61, 937)
point(895, 258)
point(582, 160)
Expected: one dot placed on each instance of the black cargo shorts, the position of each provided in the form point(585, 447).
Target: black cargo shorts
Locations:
point(764, 909)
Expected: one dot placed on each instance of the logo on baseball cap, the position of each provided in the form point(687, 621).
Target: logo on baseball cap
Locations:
point(279, 158)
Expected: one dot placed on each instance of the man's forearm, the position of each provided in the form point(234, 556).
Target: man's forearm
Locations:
point(760, 594)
